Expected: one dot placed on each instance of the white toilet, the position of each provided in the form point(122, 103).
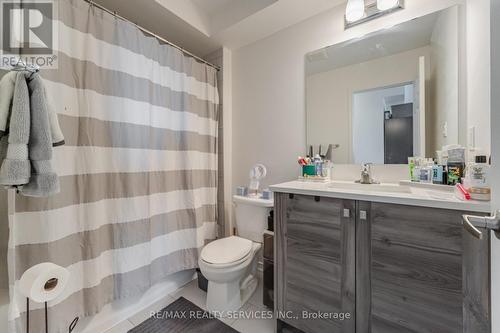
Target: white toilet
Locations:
point(230, 263)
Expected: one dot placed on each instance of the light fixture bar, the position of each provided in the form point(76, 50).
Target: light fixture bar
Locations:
point(372, 13)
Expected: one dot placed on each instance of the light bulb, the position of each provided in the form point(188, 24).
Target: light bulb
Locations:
point(355, 10)
point(386, 4)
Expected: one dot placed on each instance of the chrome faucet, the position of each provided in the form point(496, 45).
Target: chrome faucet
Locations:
point(366, 175)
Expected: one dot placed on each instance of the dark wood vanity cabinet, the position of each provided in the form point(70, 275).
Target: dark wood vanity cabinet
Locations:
point(409, 261)
point(315, 262)
point(394, 268)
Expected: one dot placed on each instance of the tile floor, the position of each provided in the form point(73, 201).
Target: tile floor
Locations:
point(192, 293)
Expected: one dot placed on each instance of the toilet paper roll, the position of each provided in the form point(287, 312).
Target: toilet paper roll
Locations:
point(44, 282)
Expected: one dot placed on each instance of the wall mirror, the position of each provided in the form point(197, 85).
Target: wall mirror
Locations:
point(389, 95)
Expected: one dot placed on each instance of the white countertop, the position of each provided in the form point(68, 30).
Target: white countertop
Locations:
point(432, 196)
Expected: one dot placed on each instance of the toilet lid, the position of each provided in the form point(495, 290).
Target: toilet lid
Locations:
point(226, 250)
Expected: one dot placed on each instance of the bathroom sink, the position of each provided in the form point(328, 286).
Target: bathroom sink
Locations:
point(385, 188)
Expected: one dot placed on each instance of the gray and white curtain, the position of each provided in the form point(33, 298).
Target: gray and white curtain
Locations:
point(138, 172)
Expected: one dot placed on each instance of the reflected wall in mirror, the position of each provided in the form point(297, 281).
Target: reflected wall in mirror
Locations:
point(389, 95)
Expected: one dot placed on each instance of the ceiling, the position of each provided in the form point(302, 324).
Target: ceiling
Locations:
point(400, 38)
point(225, 13)
point(213, 6)
point(203, 26)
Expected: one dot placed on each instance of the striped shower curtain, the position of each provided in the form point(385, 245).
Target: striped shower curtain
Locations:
point(138, 172)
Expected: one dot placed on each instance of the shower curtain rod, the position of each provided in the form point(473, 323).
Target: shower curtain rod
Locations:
point(186, 52)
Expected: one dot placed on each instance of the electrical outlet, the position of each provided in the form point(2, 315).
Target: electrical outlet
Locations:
point(445, 129)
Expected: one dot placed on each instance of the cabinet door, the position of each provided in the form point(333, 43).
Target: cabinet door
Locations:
point(409, 269)
point(315, 262)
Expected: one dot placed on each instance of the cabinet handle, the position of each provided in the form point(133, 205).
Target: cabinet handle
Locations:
point(347, 213)
point(362, 215)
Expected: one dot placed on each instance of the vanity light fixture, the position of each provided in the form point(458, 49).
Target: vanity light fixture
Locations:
point(361, 11)
point(386, 4)
point(355, 10)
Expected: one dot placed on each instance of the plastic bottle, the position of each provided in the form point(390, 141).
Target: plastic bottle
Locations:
point(318, 165)
point(426, 172)
point(476, 179)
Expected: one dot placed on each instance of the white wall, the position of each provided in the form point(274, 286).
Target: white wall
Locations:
point(478, 72)
point(329, 98)
point(228, 138)
point(268, 88)
point(444, 82)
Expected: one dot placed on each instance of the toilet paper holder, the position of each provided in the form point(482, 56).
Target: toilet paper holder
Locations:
point(70, 328)
point(49, 285)
point(42, 283)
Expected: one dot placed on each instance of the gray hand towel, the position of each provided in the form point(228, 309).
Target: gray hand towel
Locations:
point(7, 84)
point(43, 181)
point(16, 167)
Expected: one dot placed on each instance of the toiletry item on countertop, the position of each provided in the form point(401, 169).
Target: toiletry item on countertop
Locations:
point(327, 169)
point(461, 192)
point(476, 179)
point(480, 194)
point(303, 161)
point(441, 157)
point(426, 171)
point(455, 164)
point(318, 164)
point(309, 170)
point(438, 173)
point(317, 169)
point(267, 194)
point(455, 172)
point(242, 191)
point(456, 154)
point(421, 169)
point(416, 169)
point(411, 165)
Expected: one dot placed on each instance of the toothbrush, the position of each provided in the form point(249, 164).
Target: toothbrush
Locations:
point(302, 161)
point(463, 191)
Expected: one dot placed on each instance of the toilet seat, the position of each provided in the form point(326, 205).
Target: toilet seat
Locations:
point(227, 251)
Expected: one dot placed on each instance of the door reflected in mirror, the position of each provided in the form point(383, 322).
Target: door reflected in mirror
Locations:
point(382, 125)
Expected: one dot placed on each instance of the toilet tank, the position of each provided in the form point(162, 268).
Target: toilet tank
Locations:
point(251, 216)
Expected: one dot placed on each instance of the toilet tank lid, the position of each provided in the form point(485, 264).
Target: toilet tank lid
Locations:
point(253, 201)
point(226, 250)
